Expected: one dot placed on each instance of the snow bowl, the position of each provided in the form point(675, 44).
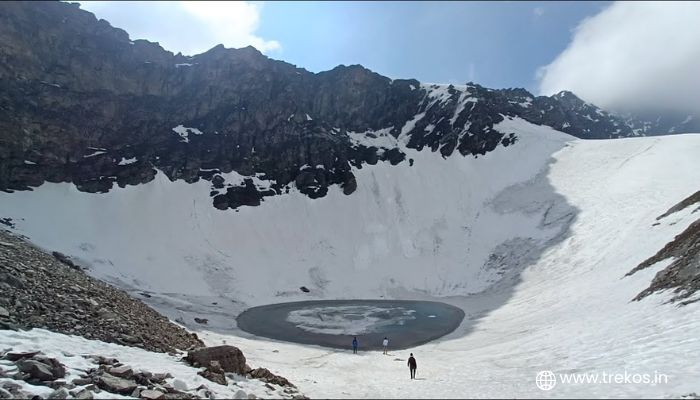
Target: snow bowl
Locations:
point(333, 323)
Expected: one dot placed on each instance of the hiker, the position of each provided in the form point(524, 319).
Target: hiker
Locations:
point(385, 343)
point(412, 366)
point(354, 345)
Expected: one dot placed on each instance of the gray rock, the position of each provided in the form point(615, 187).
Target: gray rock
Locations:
point(161, 377)
point(12, 281)
point(180, 385)
point(4, 313)
point(61, 393)
point(114, 384)
point(130, 339)
point(57, 384)
point(122, 372)
point(240, 395)
point(36, 370)
point(57, 369)
point(18, 356)
point(85, 395)
point(152, 395)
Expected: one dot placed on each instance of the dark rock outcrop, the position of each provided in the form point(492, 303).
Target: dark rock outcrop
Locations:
point(683, 274)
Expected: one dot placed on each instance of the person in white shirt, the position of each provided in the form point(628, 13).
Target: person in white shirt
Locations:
point(385, 343)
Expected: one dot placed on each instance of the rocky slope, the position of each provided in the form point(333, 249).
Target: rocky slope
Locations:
point(83, 103)
point(682, 275)
point(39, 291)
point(49, 292)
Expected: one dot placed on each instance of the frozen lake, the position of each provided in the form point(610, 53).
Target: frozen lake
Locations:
point(333, 323)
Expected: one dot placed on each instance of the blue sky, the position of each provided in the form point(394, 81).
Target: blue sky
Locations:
point(496, 44)
point(617, 55)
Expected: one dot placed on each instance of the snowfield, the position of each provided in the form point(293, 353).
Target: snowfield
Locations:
point(532, 241)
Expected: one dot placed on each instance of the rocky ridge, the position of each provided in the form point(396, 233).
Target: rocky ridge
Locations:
point(39, 291)
point(83, 103)
point(683, 274)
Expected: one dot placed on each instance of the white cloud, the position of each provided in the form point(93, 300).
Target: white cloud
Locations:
point(538, 11)
point(633, 55)
point(190, 27)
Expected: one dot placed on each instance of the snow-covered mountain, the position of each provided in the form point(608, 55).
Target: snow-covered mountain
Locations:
point(490, 200)
point(83, 103)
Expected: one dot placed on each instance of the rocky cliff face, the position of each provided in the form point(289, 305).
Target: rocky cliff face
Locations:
point(82, 103)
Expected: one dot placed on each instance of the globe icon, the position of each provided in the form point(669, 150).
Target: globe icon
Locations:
point(546, 380)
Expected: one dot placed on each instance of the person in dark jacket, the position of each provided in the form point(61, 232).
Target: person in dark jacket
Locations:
point(354, 345)
point(412, 365)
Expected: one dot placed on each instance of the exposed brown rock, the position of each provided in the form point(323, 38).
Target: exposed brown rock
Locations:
point(229, 358)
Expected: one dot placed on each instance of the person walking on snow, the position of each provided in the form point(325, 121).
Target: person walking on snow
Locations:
point(354, 345)
point(385, 343)
point(412, 365)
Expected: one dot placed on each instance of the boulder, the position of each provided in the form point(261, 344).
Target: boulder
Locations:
point(36, 370)
point(152, 395)
point(57, 369)
point(85, 395)
point(179, 385)
point(60, 394)
point(114, 384)
point(230, 358)
point(81, 381)
point(122, 372)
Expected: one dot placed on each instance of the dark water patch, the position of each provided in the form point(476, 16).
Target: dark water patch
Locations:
point(333, 323)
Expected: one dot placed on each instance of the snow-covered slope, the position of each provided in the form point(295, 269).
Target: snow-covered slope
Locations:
point(429, 227)
point(532, 241)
